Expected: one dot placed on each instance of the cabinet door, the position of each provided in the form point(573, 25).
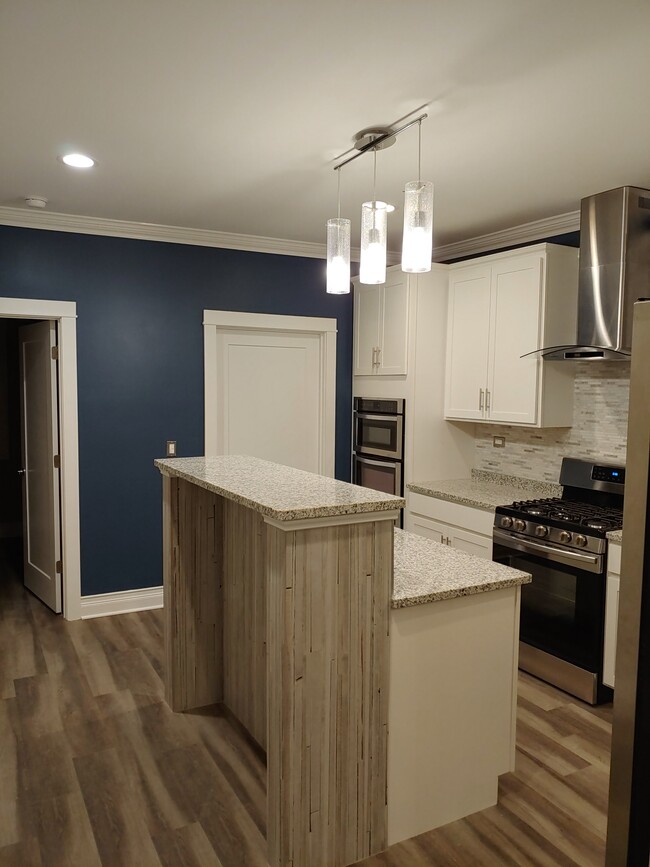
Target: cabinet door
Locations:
point(467, 342)
point(428, 528)
point(611, 624)
point(366, 327)
point(393, 325)
point(513, 382)
point(471, 543)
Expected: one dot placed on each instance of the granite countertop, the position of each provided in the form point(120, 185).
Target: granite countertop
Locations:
point(279, 492)
point(616, 536)
point(426, 571)
point(486, 490)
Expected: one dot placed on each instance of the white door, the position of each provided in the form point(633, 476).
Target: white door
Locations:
point(467, 342)
point(516, 301)
point(393, 327)
point(268, 396)
point(366, 328)
point(40, 438)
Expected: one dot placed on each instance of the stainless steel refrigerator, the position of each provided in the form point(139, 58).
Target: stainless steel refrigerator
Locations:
point(628, 830)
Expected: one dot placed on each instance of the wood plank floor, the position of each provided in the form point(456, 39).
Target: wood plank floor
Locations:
point(96, 770)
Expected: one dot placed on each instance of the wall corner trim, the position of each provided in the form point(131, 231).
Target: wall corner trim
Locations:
point(121, 602)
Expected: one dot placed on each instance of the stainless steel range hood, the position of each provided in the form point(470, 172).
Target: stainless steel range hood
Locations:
point(614, 273)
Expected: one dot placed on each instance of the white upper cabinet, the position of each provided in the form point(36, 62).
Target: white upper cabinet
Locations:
point(381, 326)
point(500, 308)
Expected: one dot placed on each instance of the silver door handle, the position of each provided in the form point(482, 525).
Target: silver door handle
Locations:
point(21, 472)
point(487, 398)
point(480, 398)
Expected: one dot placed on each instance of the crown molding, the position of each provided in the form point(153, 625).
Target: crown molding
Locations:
point(526, 233)
point(57, 222)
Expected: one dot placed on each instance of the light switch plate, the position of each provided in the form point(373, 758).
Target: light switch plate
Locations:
point(171, 448)
point(498, 442)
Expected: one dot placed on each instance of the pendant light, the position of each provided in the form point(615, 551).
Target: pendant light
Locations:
point(417, 240)
point(372, 267)
point(338, 251)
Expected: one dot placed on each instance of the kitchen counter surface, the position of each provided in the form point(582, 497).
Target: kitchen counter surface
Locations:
point(279, 492)
point(426, 571)
point(616, 536)
point(486, 490)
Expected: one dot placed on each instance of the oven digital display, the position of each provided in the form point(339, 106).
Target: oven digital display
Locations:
point(609, 474)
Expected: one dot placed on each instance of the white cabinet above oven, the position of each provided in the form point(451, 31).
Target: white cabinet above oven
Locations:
point(500, 308)
point(381, 319)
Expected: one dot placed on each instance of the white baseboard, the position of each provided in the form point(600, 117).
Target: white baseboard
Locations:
point(121, 602)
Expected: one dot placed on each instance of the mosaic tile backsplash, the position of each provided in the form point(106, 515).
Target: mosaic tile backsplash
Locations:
point(599, 428)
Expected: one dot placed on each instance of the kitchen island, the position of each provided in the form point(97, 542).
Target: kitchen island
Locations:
point(280, 604)
point(277, 591)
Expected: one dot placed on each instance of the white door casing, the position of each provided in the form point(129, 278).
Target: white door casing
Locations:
point(270, 387)
point(40, 478)
point(65, 314)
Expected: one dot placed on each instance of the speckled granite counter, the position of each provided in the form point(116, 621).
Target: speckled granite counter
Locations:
point(279, 492)
point(426, 571)
point(616, 536)
point(485, 490)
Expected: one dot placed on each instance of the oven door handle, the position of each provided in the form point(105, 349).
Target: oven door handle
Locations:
point(590, 562)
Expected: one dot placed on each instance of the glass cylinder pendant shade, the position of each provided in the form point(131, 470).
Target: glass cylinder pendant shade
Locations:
point(417, 240)
point(338, 256)
point(372, 267)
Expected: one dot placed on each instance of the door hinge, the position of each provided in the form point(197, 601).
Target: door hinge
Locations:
point(59, 567)
point(55, 353)
point(57, 462)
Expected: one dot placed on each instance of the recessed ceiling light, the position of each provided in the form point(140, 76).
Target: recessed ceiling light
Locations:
point(78, 161)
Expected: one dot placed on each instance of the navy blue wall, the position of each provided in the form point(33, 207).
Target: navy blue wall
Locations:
point(140, 362)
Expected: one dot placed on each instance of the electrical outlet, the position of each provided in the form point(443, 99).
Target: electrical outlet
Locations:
point(498, 442)
point(171, 448)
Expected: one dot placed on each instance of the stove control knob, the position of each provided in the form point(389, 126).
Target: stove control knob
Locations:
point(541, 530)
point(565, 536)
point(506, 522)
point(580, 540)
point(520, 525)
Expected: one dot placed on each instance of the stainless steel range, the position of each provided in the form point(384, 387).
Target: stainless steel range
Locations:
point(562, 542)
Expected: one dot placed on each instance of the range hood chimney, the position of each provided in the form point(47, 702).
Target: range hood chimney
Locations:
point(614, 273)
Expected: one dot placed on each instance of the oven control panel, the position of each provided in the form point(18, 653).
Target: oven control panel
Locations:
point(608, 474)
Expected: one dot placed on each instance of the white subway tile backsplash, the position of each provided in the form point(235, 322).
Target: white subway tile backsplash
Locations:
point(599, 428)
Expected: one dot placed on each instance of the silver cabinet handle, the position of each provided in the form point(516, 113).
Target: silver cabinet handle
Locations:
point(21, 472)
point(487, 398)
point(480, 398)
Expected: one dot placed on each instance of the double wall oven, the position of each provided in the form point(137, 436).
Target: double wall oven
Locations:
point(378, 445)
point(562, 543)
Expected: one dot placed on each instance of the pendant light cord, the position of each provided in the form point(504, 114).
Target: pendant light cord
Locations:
point(420, 152)
point(374, 181)
point(338, 194)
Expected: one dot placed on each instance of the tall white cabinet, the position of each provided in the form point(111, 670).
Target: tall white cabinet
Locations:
point(406, 319)
point(501, 307)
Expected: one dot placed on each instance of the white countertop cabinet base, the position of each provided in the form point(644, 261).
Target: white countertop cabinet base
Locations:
point(452, 710)
point(459, 526)
point(500, 308)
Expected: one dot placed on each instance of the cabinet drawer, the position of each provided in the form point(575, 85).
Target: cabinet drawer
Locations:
point(467, 517)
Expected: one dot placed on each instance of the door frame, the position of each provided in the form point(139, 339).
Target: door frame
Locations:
point(222, 320)
point(65, 314)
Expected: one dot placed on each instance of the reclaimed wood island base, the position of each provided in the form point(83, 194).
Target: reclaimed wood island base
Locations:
point(277, 593)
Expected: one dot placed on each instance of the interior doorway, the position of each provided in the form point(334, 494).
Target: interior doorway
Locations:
point(61, 316)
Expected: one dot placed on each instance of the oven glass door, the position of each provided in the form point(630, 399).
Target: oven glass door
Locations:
point(379, 435)
point(562, 611)
point(385, 476)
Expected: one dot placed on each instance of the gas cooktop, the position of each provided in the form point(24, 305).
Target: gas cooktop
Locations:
point(591, 506)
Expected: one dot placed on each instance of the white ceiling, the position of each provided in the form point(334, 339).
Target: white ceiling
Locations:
point(227, 114)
